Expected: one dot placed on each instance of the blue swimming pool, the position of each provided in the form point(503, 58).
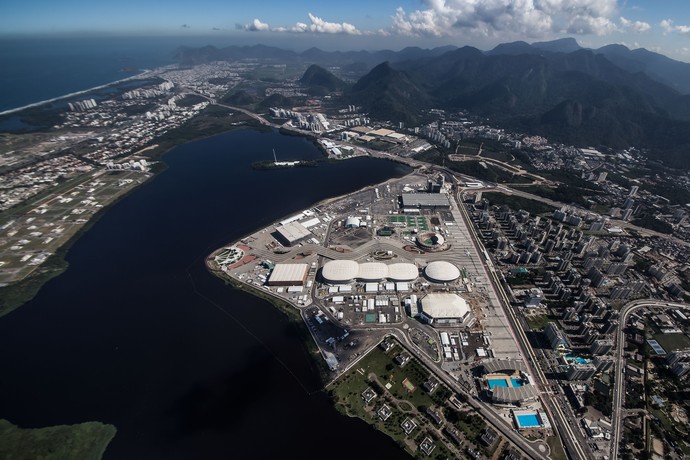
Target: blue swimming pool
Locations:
point(497, 383)
point(528, 420)
point(517, 383)
point(577, 359)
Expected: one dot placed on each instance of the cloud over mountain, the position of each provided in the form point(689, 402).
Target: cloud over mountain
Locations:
point(319, 25)
point(256, 26)
point(491, 17)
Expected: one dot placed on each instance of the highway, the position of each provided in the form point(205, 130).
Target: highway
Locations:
point(620, 223)
point(570, 440)
point(618, 388)
point(499, 424)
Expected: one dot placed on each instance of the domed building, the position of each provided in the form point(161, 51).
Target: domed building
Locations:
point(402, 272)
point(441, 272)
point(340, 271)
point(444, 309)
point(372, 271)
point(347, 271)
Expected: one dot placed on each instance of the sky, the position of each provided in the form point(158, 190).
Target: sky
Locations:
point(660, 25)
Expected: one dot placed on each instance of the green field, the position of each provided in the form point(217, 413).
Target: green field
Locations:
point(672, 342)
point(378, 371)
point(85, 441)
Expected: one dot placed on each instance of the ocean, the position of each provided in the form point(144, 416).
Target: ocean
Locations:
point(37, 69)
point(137, 333)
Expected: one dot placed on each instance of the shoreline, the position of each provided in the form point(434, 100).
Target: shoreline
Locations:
point(76, 93)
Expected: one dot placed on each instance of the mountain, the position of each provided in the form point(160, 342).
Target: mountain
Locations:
point(276, 100)
point(389, 94)
point(519, 47)
point(665, 70)
point(562, 45)
point(192, 56)
point(362, 60)
point(320, 81)
point(240, 98)
point(579, 97)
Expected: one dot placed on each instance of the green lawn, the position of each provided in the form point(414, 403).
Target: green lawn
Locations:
point(537, 322)
point(85, 441)
point(672, 342)
point(557, 452)
point(347, 394)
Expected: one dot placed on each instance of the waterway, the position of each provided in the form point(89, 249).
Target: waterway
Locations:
point(138, 334)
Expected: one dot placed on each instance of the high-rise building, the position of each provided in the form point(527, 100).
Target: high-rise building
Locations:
point(601, 346)
point(580, 371)
point(557, 338)
point(603, 363)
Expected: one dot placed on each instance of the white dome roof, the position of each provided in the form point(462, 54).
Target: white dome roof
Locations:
point(340, 271)
point(442, 272)
point(444, 305)
point(352, 222)
point(372, 271)
point(403, 272)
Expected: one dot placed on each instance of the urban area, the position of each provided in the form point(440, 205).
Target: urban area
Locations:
point(510, 298)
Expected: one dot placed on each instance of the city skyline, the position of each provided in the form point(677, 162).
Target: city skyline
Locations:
point(662, 27)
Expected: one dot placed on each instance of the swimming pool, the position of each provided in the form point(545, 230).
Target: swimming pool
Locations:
point(577, 359)
point(497, 383)
point(527, 420)
point(516, 383)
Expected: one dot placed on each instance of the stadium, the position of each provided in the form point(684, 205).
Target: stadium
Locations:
point(506, 382)
point(431, 242)
point(444, 309)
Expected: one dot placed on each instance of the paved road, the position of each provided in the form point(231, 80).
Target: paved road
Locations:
point(620, 223)
point(617, 411)
point(570, 438)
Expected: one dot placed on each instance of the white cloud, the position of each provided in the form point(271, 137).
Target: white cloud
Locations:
point(668, 27)
point(256, 26)
point(318, 25)
point(637, 26)
point(532, 18)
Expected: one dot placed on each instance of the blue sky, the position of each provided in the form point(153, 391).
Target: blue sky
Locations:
point(661, 25)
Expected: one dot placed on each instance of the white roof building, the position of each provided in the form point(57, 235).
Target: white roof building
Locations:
point(345, 271)
point(441, 272)
point(444, 308)
point(288, 275)
point(293, 232)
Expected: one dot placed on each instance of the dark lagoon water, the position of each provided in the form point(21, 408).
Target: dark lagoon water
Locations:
point(138, 334)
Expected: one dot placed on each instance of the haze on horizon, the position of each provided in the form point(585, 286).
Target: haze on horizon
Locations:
point(658, 26)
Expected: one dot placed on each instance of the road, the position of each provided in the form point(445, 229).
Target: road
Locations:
point(620, 223)
point(571, 440)
point(618, 388)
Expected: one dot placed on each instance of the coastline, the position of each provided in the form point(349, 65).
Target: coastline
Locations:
point(16, 294)
point(76, 93)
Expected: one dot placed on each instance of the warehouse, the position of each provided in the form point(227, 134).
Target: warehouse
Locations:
point(444, 308)
point(288, 275)
point(292, 233)
point(425, 201)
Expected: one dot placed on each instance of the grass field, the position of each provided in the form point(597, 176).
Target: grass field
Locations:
point(672, 342)
point(86, 441)
point(392, 384)
point(537, 322)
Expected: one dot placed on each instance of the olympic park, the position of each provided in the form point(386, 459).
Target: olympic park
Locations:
point(384, 285)
point(507, 384)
